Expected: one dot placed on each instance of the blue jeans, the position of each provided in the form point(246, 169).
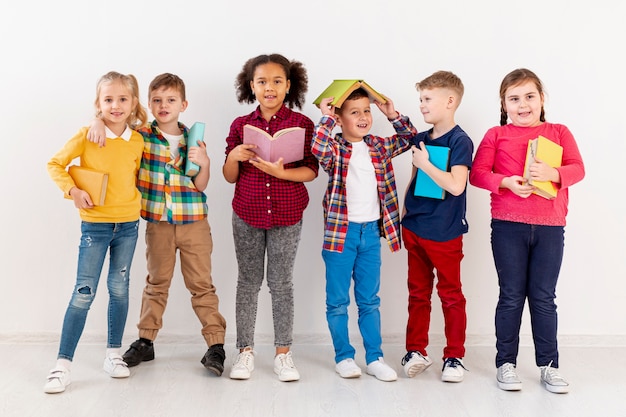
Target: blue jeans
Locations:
point(96, 239)
point(528, 260)
point(360, 260)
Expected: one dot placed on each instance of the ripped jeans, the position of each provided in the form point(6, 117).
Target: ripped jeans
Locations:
point(119, 239)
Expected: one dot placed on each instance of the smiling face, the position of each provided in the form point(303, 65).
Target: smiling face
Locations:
point(434, 104)
point(166, 104)
point(115, 103)
point(523, 104)
point(270, 86)
point(355, 119)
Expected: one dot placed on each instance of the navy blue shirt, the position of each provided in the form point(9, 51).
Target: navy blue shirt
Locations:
point(434, 219)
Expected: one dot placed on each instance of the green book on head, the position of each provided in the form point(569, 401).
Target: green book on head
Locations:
point(341, 89)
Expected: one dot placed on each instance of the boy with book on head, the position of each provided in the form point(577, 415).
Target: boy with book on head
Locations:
point(175, 209)
point(360, 206)
point(433, 228)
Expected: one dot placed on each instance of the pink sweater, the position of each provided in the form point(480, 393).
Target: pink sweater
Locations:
point(502, 153)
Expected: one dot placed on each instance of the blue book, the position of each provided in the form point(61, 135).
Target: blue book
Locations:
point(439, 156)
point(196, 134)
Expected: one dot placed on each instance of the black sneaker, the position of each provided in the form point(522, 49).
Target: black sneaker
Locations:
point(213, 359)
point(138, 352)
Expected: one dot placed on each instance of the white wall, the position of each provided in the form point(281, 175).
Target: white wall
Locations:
point(54, 52)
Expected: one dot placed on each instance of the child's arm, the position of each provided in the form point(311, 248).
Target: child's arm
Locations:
point(239, 154)
point(322, 144)
point(400, 142)
point(96, 132)
point(198, 155)
point(277, 169)
point(453, 182)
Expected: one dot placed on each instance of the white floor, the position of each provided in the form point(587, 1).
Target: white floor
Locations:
point(175, 384)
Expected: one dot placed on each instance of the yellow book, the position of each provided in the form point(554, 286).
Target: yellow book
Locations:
point(341, 89)
point(92, 181)
point(546, 151)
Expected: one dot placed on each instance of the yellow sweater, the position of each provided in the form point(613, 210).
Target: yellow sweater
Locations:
point(120, 159)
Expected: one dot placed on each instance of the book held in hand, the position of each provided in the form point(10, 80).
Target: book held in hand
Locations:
point(341, 89)
point(196, 134)
point(92, 181)
point(286, 143)
point(546, 151)
point(439, 156)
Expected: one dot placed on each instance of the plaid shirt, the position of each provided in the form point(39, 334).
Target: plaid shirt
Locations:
point(162, 181)
point(262, 200)
point(334, 156)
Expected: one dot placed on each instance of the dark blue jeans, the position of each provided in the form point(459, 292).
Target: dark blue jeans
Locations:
point(528, 260)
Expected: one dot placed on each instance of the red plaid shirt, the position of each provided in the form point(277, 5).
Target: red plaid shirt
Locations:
point(262, 200)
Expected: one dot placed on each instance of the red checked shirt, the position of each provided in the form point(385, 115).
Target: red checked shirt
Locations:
point(262, 200)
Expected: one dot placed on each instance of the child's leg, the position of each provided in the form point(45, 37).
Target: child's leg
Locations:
point(250, 250)
point(195, 245)
point(282, 245)
point(366, 287)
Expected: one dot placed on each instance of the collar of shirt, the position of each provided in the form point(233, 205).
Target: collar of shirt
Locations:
point(126, 134)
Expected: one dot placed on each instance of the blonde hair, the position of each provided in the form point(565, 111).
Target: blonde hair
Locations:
point(442, 79)
point(138, 116)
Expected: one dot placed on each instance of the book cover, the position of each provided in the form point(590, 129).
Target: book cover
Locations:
point(92, 181)
point(286, 143)
point(546, 151)
point(196, 134)
point(439, 156)
point(341, 89)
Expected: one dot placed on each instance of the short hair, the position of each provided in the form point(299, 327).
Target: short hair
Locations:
point(442, 79)
point(167, 80)
point(355, 95)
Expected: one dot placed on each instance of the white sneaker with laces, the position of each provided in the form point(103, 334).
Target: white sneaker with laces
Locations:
point(115, 366)
point(58, 379)
point(452, 370)
point(244, 365)
point(347, 368)
point(415, 363)
point(552, 380)
point(285, 368)
point(507, 378)
point(381, 370)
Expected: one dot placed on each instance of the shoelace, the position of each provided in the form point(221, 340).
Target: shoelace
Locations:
point(508, 371)
point(453, 363)
point(409, 355)
point(286, 361)
point(244, 358)
point(552, 374)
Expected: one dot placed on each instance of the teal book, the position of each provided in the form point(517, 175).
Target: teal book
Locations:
point(196, 134)
point(439, 156)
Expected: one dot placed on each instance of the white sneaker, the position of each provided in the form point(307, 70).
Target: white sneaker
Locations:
point(507, 378)
point(244, 365)
point(552, 380)
point(284, 367)
point(347, 368)
point(415, 363)
point(115, 366)
point(58, 379)
point(381, 370)
point(452, 370)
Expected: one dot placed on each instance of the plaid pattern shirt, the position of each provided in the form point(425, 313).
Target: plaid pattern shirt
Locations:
point(334, 157)
point(162, 181)
point(262, 200)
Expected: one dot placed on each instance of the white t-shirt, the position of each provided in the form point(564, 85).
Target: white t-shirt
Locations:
point(173, 140)
point(361, 186)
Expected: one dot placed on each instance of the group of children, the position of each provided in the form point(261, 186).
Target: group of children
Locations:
point(146, 167)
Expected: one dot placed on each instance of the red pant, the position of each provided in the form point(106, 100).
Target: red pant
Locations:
point(424, 257)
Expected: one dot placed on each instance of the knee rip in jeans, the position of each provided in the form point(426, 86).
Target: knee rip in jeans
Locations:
point(84, 290)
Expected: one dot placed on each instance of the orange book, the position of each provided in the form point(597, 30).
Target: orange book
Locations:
point(92, 181)
point(546, 151)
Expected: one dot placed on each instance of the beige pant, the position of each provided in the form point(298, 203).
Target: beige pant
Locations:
point(194, 243)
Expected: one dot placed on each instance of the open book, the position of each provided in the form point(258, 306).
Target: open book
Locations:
point(92, 181)
point(546, 151)
point(439, 156)
point(341, 89)
point(286, 143)
point(196, 133)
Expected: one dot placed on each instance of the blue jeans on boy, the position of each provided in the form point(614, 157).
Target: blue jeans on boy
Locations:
point(361, 261)
point(95, 241)
point(528, 260)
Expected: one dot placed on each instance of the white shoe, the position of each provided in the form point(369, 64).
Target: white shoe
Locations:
point(553, 381)
point(244, 365)
point(115, 366)
point(347, 368)
point(58, 379)
point(415, 363)
point(381, 370)
point(284, 367)
point(507, 378)
point(452, 370)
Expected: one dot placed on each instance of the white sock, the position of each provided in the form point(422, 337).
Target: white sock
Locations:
point(113, 352)
point(64, 363)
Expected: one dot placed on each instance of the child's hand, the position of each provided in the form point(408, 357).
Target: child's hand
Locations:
point(275, 169)
point(388, 109)
point(198, 155)
point(96, 132)
point(242, 153)
point(420, 155)
point(518, 185)
point(81, 198)
point(540, 171)
point(326, 108)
